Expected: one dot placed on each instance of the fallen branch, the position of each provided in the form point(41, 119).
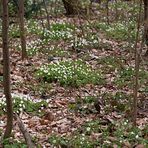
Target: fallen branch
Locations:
point(24, 132)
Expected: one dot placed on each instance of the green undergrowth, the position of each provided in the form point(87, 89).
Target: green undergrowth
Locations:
point(83, 105)
point(125, 77)
point(121, 31)
point(58, 52)
point(119, 102)
point(70, 73)
point(40, 88)
point(123, 8)
point(14, 31)
point(97, 133)
point(84, 41)
point(111, 63)
point(58, 31)
point(9, 143)
point(23, 104)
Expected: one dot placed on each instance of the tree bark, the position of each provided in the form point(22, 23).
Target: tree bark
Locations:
point(137, 66)
point(107, 11)
point(71, 7)
point(47, 14)
point(6, 70)
point(22, 28)
point(146, 20)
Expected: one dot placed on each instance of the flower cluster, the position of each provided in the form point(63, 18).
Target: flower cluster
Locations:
point(119, 30)
point(84, 41)
point(34, 27)
point(33, 46)
point(57, 34)
point(22, 103)
point(73, 73)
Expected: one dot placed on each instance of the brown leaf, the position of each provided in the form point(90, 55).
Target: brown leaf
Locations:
point(127, 144)
point(32, 122)
point(112, 138)
point(95, 136)
point(140, 146)
point(115, 146)
point(48, 116)
point(61, 103)
point(44, 122)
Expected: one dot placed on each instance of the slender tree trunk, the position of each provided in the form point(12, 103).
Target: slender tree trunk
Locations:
point(107, 11)
point(116, 10)
point(6, 70)
point(137, 66)
point(146, 24)
point(145, 9)
point(47, 14)
point(22, 28)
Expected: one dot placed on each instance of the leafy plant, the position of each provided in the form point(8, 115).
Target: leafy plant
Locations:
point(41, 88)
point(21, 104)
point(61, 26)
point(119, 30)
point(9, 143)
point(34, 46)
point(120, 132)
point(14, 31)
point(126, 132)
point(121, 6)
point(34, 27)
point(58, 31)
point(125, 76)
point(58, 52)
point(90, 127)
point(83, 105)
point(70, 73)
point(77, 141)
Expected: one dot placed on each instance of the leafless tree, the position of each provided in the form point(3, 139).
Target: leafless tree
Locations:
point(47, 13)
point(6, 70)
point(137, 66)
point(22, 28)
point(146, 23)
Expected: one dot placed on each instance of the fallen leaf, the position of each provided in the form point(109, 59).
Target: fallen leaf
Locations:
point(48, 116)
point(140, 146)
point(44, 122)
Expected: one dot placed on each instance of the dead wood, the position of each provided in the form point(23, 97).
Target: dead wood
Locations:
point(24, 132)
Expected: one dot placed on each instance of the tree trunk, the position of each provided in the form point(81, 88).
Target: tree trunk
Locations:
point(6, 70)
point(47, 14)
point(72, 7)
point(107, 11)
point(146, 20)
point(22, 29)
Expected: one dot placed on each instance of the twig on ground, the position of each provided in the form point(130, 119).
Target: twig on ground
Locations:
point(24, 132)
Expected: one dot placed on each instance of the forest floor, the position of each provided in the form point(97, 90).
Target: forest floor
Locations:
point(70, 114)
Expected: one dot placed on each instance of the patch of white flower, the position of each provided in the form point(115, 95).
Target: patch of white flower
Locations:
point(80, 42)
point(68, 72)
point(33, 46)
point(14, 96)
point(58, 34)
point(19, 102)
point(34, 27)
